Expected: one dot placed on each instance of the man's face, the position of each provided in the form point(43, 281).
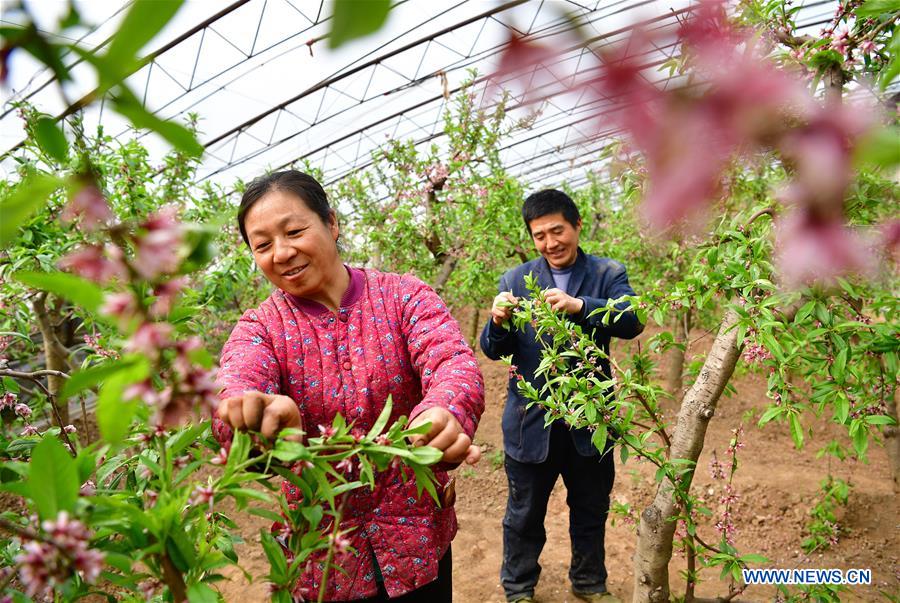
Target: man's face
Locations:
point(556, 239)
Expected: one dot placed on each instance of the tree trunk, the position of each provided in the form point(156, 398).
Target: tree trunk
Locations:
point(55, 354)
point(681, 328)
point(448, 263)
point(892, 440)
point(474, 328)
point(655, 532)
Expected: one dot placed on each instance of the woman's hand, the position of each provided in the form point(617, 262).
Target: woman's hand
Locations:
point(446, 434)
point(267, 414)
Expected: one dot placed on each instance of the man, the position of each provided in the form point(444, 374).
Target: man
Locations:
point(577, 284)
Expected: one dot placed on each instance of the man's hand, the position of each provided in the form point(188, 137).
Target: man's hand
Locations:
point(560, 300)
point(502, 309)
point(446, 434)
point(255, 411)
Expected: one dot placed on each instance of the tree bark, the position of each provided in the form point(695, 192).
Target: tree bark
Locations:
point(448, 263)
point(474, 328)
point(655, 532)
point(681, 328)
point(55, 355)
point(892, 440)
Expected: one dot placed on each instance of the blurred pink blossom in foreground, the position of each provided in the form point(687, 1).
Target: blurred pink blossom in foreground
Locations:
point(89, 205)
point(159, 246)
point(44, 565)
point(743, 105)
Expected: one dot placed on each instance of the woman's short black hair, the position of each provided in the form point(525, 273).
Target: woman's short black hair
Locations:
point(549, 201)
point(303, 185)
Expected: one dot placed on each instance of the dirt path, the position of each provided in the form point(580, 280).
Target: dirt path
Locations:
point(776, 484)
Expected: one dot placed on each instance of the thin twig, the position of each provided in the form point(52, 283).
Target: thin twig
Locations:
point(35, 377)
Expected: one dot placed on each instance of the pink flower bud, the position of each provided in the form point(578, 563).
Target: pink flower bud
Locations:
point(89, 205)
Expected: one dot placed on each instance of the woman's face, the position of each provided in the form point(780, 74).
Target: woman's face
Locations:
point(295, 250)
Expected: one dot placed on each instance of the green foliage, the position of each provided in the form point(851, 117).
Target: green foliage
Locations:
point(356, 18)
point(823, 526)
point(52, 478)
point(18, 205)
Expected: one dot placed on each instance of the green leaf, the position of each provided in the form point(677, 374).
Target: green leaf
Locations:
point(202, 593)
point(879, 147)
point(143, 21)
point(382, 419)
point(771, 413)
point(90, 377)
point(796, 429)
point(355, 19)
point(599, 437)
point(51, 138)
point(52, 478)
point(274, 554)
point(114, 415)
point(81, 292)
point(860, 441)
point(873, 8)
point(880, 420)
point(176, 134)
point(840, 364)
point(16, 208)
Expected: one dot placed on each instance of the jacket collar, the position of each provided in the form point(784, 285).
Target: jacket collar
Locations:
point(351, 295)
point(579, 269)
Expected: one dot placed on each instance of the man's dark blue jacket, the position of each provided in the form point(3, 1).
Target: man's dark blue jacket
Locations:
point(593, 280)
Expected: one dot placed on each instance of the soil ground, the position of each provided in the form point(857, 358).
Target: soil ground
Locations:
point(777, 485)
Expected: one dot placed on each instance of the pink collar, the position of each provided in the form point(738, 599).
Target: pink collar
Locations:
point(351, 295)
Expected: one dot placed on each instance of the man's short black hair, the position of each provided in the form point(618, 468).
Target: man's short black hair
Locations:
point(549, 201)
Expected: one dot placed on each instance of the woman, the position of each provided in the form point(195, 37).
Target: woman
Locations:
point(333, 339)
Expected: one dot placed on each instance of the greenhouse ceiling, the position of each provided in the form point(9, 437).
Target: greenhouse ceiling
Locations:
point(270, 94)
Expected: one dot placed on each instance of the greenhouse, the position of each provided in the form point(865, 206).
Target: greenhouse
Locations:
point(318, 301)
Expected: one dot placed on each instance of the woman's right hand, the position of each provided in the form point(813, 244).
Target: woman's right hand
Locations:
point(267, 414)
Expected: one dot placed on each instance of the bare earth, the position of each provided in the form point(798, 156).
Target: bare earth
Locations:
point(777, 485)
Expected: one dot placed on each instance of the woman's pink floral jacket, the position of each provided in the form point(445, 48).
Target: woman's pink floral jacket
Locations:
point(392, 336)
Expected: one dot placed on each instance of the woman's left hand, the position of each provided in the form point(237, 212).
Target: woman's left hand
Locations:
point(446, 434)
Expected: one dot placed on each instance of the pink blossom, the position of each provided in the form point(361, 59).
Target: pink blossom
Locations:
point(149, 587)
point(523, 59)
point(383, 440)
point(347, 466)
point(121, 306)
point(340, 543)
point(183, 348)
point(166, 293)
point(221, 457)
point(88, 488)
point(90, 205)
point(152, 496)
point(23, 410)
point(90, 262)
point(755, 353)
point(44, 565)
point(841, 41)
point(70, 429)
point(867, 47)
point(816, 250)
point(150, 338)
point(8, 400)
point(202, 495)
point(144, 391)
point(437, 174)
point(326, 432)
point(158, 248)
point(30, 430)
point(93, 342)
